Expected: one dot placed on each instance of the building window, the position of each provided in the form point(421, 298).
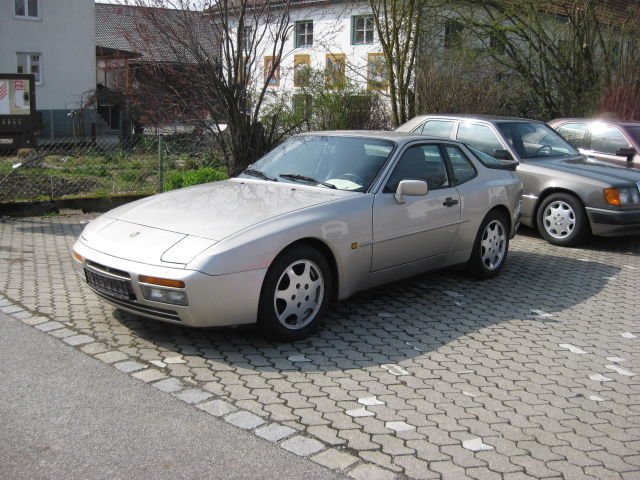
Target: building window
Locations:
point(27, 8)
point(362, 28)
point(247, 38)
point(30, 63)
point(335, 69)
point(271, 72)
point(301, 70)
point(453, 34)
point(377, 76)
point(304, 33)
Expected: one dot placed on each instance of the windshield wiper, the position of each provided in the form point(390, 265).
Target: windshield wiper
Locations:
point(259, 174)
point(304, 178)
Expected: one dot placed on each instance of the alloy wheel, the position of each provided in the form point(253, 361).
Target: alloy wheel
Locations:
point(299, 294)
point(559, 219)
point(493, 245)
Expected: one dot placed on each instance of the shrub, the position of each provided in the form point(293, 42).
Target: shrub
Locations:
point(194, 177)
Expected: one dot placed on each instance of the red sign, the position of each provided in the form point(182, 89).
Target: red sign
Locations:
point(18, 85)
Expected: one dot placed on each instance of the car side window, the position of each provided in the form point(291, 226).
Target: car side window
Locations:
point(438, 128)
point(575, 134)
point(608, 140)
point(463, 169)
point(479, 136)
point(424, 162)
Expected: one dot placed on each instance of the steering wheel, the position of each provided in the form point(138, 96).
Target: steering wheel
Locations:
point(352, 177)
point(549, 148)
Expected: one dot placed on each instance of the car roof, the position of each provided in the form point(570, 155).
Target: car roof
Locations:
point(397, 137)
point(469, 116)
point(612, 121)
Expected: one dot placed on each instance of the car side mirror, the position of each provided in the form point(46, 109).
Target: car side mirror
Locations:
point(626, 152)
point(502, 155)
point(412, 188)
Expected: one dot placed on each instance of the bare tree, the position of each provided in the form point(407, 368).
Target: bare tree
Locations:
point(398, 24)
point(561, 52)
point(209, 66)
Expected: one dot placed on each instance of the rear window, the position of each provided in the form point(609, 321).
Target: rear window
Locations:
point(634, 132)
point(479, 136)
point(438, 128)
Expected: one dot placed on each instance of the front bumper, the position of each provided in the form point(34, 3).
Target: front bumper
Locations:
point(610, 223)
point(220, 300)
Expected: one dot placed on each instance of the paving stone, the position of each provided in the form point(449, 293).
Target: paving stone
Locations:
point(94, 348)
point(129, 366)
point(302, 446)
point(193, 395)
point(371, 472)
point(79, 340)
point(218, 408)
point(476, 445)
point(400, 426)
point(169, 385)
point(149, 375)
point(48, 326)
point(111, 357)
point(33, 321)
point(274, 432)
point(360, 412)
point(334, 459)
point(244, 420)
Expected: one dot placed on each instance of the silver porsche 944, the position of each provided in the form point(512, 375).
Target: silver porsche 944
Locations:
point(321, 217)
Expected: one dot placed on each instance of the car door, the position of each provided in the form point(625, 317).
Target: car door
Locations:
point(606, 140)
point(423, 226)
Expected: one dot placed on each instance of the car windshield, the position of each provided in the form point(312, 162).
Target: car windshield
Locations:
point(635, 133)
point(344, 163)
point(535, 140)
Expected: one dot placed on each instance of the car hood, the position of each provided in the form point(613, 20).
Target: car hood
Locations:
point(220, 209)
point(174, 227)
point(594, 169)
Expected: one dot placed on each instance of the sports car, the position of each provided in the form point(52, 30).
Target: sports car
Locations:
point(319, 218)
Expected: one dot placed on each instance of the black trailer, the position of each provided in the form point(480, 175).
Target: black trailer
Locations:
point(18, 117)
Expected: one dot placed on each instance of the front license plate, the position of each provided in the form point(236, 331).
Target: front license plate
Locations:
point(112, 287)
point(6, 141)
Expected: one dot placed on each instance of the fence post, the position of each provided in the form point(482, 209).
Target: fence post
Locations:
point(160, 164)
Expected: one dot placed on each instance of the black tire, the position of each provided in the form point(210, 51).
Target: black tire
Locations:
point(480, 265)
point(271, 312)
point(559, 232)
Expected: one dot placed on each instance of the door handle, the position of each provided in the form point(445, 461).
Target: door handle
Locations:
point(450, 202)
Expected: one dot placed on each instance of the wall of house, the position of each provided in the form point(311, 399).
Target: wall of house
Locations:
point(332, 31)
point(64, 35)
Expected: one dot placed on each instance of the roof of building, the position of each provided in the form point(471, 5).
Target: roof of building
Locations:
point(126, 31)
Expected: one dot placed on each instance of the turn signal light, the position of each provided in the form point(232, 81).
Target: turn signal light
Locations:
point(77, 256)
point(612, 196)
point(163, 282)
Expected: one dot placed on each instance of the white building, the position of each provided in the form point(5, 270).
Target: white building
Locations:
point(336, 37)
point(54, 40)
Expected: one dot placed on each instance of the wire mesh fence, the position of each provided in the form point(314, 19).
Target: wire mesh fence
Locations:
point(107, 166)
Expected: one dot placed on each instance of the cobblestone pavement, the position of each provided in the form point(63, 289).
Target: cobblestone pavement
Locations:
point(535, 374)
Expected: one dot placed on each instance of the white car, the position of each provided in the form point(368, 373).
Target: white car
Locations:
point(319, 218)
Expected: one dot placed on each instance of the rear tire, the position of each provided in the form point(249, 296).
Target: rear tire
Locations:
point(295, 294)
point(562, 221)
point(491, 246)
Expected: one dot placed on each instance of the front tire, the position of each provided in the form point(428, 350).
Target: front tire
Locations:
point(491, 246)
point(295, 294)
point(562, 221)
